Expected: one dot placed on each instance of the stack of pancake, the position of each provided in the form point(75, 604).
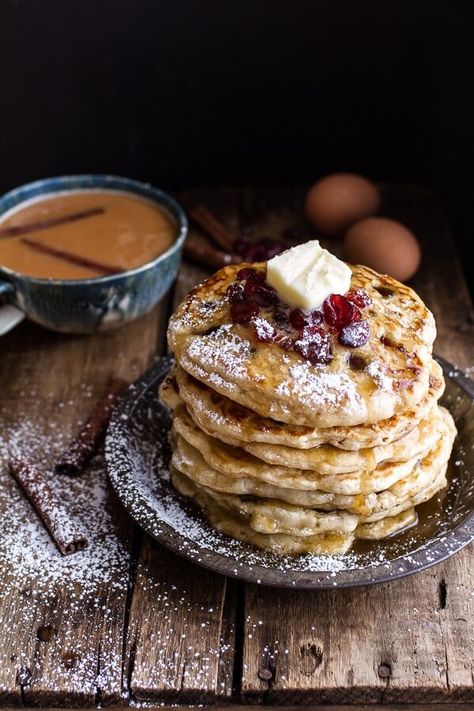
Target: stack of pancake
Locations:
point(295, 456)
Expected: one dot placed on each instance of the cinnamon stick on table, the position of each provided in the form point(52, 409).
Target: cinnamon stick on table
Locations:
point(201, 251)
point(85, 445)
point(66, 532)
point(215, 229)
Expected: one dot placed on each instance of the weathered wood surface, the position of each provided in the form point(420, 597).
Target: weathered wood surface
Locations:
point(320, 707)
point(180, 633)
point(183, 635)
point(397, 642)
point(79, 663)
point(175, 630)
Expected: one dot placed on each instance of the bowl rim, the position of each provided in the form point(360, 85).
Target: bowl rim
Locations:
point(98, 181)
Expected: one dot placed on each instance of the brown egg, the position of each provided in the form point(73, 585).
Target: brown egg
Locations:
point(335, 202)
point(385, 245)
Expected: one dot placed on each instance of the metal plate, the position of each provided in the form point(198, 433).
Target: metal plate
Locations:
point(137, 455)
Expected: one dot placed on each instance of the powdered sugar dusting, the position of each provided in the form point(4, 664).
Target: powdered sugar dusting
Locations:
point(321, 388)
point(25, 547)
point(72, 598)
point(221, 349)
point(378, 374)
point(263, 328)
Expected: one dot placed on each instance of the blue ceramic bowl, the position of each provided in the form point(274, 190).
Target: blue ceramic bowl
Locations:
point(90, 305)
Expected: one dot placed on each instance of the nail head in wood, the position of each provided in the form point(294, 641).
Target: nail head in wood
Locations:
point(384, 671)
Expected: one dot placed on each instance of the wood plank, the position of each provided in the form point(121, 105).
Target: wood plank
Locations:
point(175, 629)
point(396, 642)
point(323, 707)
point(185, 652)
point(62, 634)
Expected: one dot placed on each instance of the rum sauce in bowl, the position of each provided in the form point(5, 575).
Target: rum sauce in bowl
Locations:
point(86, 253)
point(84, 234)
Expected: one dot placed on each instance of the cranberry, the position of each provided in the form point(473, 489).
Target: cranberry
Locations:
point(260, 292)
point(270, 247)
point(297, 319)
point(248, 273)
point(263, 330)
point(281, 314)
point(315, 345)
point(244, 311)
point(284, 341)
point(259, 251)
point(357, 362)
point(235, 292)
point(387, 341)
point(340, 312)
point(359, 297)
point(355, 334)
point(316, 317)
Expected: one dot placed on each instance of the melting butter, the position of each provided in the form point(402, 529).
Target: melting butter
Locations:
point(305, 275)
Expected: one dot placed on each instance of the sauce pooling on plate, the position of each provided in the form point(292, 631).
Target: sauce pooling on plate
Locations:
point(83, 234)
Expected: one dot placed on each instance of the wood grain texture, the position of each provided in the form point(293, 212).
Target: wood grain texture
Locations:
point(184, 635)
point(180, 641)
point(320, 707)
point(403, 641)
point(175, 628)
point(80, 661)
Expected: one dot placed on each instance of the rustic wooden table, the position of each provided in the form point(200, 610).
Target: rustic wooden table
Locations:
point(143, 626)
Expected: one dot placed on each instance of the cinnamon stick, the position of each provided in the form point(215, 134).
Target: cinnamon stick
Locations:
point(100, 267)
point(215, 229)
point(199, 250)
point(15, 230)
point(66, 532)
point(84, 446)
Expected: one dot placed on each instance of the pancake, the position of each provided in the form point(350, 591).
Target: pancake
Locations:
point(273, 516)
point(190, 462)
point(354, 483)
point(295, 456)
point(399, 497)
point(220, 417)
point(324, 459)
point(284, 386)
point(324, 543)
point(235, 527)
point(237, 463)
point(388, 526)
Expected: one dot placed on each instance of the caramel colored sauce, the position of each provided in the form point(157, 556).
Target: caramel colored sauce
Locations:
point(431, 517)
point(130, 232)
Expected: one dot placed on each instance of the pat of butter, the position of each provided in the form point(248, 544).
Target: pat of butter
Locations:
point(305, 275)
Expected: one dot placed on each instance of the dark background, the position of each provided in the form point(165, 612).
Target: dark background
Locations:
point(189, 92)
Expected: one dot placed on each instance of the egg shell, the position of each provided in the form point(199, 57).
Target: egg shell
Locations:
point(384, 245)
point(335, 202)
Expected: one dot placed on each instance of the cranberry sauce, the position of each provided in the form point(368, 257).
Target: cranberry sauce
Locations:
point(254, 302)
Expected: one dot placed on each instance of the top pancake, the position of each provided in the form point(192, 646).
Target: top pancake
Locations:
point(284, 386)
point(237, 425)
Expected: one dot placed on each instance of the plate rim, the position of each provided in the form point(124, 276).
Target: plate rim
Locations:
point(139, 508)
